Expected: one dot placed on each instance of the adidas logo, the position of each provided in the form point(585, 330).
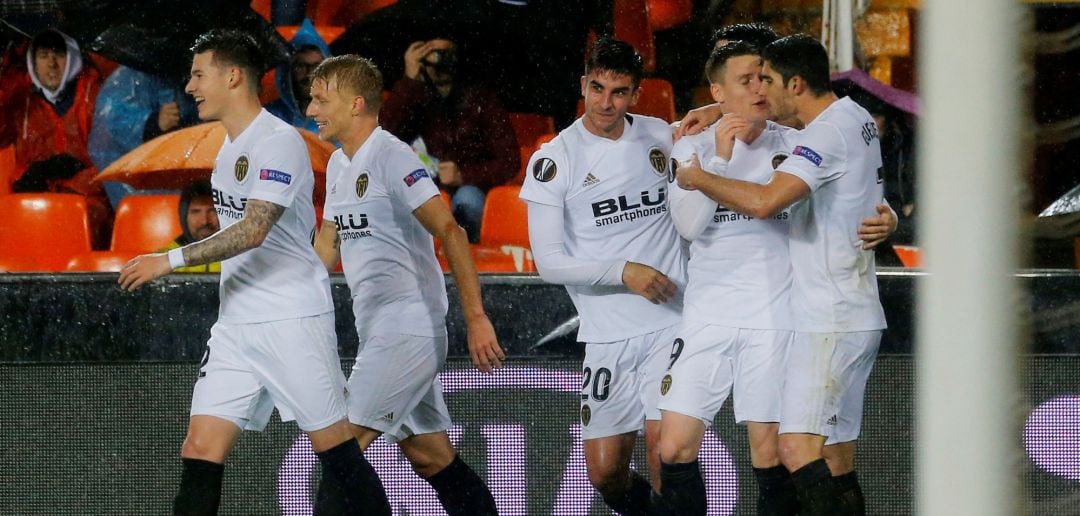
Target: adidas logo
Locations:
point(831, 421)
point(388, 417)
point(590, 180)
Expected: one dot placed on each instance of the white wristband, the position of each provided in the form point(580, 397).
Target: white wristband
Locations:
point(176, 258)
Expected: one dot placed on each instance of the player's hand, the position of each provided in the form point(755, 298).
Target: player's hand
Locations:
point(414, 58)
point(731, 126)
point(168, 117)
point(141, 269)
point(696, 120)
point(874, 230)
point(483, 346)
point(648, 282)
point(689, 174)
point(449, 173)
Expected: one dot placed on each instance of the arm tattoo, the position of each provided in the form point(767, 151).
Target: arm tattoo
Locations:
point(337, 241)
point(259, 217)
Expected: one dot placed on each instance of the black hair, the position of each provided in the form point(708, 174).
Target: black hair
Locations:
point(615, 56)
point(195, 190)
point(50, 39)
point(757, 34)
point(800, 55)
point(714, 67)
point(233, 47)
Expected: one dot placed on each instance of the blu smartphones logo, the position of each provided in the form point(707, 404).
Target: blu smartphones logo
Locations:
point(519, 465)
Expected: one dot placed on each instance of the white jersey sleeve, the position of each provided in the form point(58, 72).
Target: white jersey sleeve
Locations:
point(275, 180)
point(817, 156)
point(691, 210)
point(547, 178)
point(549, 253)
point(409, 182)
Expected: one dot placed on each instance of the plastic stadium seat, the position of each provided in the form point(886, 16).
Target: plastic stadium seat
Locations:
point(503, 258)
point(526, 155)
point(146, 223)
point(42, 231)
point(505, 219)
point(910, 256)
point(528, 127)
point(665, 14)
point(631, 23)
point(7, 168)
point(100, 261)
point(657, 99)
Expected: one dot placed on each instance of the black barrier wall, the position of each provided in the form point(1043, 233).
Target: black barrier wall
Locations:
point(96, 385)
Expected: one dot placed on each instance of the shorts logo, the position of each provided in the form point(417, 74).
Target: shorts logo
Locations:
point(415, 176)
point(387, 417)
point(831, 421)
point(658, 161)
point(778, 158)
point(544, 170)
point(807, 153)
point(361, 185)
point(586, 415)
point(267, 174)
point(240, 169)
point(665, 385)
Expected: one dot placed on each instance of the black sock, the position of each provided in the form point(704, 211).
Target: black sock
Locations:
point(683, 489)
point(461, 491)
point(851, 497)
point(776, 492)
point(349, 483)
point(816, 489)
point(200, 488)
point(635, 500)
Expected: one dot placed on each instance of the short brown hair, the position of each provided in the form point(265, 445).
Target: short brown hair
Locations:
point(357, 74)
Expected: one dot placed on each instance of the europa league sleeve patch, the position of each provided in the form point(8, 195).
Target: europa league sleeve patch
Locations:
point(415, 176)
point(267, 174)
point(544, 170)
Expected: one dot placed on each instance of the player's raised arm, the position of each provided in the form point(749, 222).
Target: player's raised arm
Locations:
point(483, 345)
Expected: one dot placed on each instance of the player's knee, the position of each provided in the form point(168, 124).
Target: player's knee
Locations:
point(197, 447)
point(673, 451)
point(608, 478)
point(429, 460)
point(793, 454)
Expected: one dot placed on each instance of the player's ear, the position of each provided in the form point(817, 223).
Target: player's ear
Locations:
point(797, 85)
point(717, 92)
point(635, 94)
point(359, 105)
point(584, 82)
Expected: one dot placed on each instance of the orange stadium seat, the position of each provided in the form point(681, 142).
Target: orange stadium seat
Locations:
point(100, 261)
point(910, 256)
point(505, 219)
point(42, 231)
point(146, 223)
point(528, 127)
point(526, 155)
point(665, 14)
point(503, 258)
point(631, 23)
point(7, 168)
point(657, 99)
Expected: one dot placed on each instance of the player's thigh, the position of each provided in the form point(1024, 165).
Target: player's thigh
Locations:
point(654, 358)
point(610, 398)
point(297, 362)
point(811, 393)
point(856, 354)
point(699, 374)
point(607, 459)
point(226, 386)
point(394, 378)
point(759, 366)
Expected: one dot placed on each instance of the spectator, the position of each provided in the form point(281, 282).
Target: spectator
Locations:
point(292, 79)
point(462, 125)
point(134, 107)
point(46, 113)
point(198, 220)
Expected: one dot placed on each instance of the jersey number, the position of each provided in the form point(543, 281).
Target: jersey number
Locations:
point(676, 350)
point(205, 359)
point(601, 384)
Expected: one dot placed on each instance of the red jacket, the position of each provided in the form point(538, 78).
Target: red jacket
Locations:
point(31, 124)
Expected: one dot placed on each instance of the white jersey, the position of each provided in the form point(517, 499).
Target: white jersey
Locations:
point(739, 271)
point(838, 156)
point(283, 278)
point(614, 198)
point(387, 255)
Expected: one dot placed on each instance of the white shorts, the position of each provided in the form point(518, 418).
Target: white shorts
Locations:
point(825, 383)
point(250, 368)
point(394, 386)
point(619, 383)
point(708, 361)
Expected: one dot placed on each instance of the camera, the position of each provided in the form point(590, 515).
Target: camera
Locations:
point(443, 60)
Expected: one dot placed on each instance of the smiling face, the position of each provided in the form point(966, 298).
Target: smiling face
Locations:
point(209, 85)
point(202, 218)
point(332, 109)
point(740, 90)
point(608, 96)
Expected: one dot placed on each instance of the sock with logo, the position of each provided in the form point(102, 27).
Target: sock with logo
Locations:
point(461, 491)
point(851, 495)
point(683, 488)
point(635, 500)
point(349, 483)
point(200, 488)
point(776, 492)
point(816, 489)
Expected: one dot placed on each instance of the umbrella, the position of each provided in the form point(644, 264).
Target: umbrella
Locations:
point(1066, 204)
point(176, 159)
point(868, 91)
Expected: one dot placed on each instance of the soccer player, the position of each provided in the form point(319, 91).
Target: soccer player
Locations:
point(380, 213)
point(274, 341)
point(599, 224)
point(830, 181)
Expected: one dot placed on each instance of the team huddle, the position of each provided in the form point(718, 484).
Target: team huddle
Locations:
point(733, 261)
